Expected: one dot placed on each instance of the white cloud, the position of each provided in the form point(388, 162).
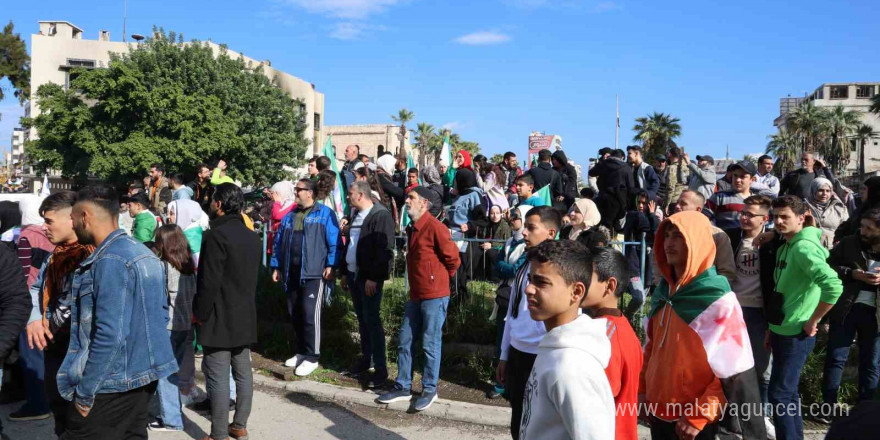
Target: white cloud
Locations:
point(606, 6)
point(345, 9)
point(454, 125)
point(352, 30)
point(482, 38)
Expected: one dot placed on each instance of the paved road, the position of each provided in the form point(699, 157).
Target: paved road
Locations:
point(289, 416)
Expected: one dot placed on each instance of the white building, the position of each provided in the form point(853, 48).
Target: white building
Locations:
point(59, 47)
point(852, 96)
point(17, 146)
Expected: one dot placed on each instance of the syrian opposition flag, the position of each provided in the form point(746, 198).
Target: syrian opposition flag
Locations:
point(404, 211)
point(712, 311)
point(446, 160)
point(544, 195)
point(338, 194)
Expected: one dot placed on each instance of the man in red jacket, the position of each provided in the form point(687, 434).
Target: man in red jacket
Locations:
point(432, 258)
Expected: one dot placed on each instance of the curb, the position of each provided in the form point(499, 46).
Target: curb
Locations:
point(442, 408)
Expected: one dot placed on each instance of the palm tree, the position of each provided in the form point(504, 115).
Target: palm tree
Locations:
point(841, 124)
point(423, 135)
point(403, 116)
point(656, 133)
point(784, 146)
point(807, 123)
point(875, 104)
point(864, 134)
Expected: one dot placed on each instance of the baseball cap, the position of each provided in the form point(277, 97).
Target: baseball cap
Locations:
point(707, 158)
point(661, 158)
point(747, 166)
point(423, 192)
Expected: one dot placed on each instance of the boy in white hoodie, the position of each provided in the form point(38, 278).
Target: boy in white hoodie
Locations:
point(567, 395)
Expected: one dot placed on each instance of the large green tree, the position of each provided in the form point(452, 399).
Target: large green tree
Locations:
point(841, 125)
point(171, 102)
point(14, 63)
point(424, 134)
point(784, 146)
point(864, 134)
point(656, 132)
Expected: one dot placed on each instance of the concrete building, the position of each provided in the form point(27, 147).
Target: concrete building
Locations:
point(374, 139)
point(59, 47)
point(16, 149)
point(852, 96)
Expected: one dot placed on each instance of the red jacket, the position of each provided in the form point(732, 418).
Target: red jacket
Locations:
point(431, 260)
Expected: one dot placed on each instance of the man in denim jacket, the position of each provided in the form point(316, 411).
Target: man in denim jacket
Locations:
point(119, 344)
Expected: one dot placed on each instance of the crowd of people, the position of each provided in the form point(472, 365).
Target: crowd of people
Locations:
point(742, 273)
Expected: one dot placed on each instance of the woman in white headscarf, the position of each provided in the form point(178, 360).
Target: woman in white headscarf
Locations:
point(283, 194)
point(827, 209)
point(584, 215)
point(188, 214)
point(34, 247)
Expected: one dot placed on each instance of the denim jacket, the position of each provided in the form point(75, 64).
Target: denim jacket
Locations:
point(118, 335)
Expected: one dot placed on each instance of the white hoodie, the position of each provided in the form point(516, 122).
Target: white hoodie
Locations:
point(568, 396)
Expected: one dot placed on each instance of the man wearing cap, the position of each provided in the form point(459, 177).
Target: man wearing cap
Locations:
point(724, 207)
point(145, 223)
point(703, 177)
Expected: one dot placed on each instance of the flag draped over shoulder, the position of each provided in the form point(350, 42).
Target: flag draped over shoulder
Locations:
point(544, 195)
point(404, 212)
point(707, 305)
point(339, 203)
point(446, 160)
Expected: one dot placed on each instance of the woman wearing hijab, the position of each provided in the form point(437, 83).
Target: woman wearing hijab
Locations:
point(827, 209)
point(431, 180)
point(493, 184)
point(10, 221)
point(385, 170)
point(584, 215)
point(485, 255)
point(187, 214)
point(283, 194)
point(465, 178)
point(870, 196)
point(33, 245)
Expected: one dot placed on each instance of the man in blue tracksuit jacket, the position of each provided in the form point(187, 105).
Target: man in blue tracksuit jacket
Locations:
point(303, 257)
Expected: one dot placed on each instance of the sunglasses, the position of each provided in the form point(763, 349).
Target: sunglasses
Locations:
point(298, 189)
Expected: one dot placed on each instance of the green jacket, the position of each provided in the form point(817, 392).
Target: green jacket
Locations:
point(217, 180)
point(144, 227)
point(804, 278)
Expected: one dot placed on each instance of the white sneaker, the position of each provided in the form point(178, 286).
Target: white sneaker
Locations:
point(771, 430)
point(306, 368)
point(293, 362)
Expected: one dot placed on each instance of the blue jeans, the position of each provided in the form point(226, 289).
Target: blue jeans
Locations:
point(426, 318)
point(33, 366)
point(369, 322)
point(168, 389)
point(861, 320)
point(756, 326)
point(789, 356)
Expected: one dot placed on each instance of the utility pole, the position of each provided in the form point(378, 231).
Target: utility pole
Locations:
point(124, 17)
point(617, 123)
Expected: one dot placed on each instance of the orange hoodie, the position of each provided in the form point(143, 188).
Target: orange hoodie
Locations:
point(676, 376)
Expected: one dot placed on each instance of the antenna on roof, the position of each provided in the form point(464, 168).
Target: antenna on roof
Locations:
point(124, 17)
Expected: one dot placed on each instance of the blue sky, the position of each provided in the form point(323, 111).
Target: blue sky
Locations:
point(495, 70)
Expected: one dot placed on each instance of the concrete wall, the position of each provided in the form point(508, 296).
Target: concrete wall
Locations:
point(369, 136)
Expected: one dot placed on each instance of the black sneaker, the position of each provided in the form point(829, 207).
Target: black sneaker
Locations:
point(377, 379)
point(205, 406)
point(159, 426)
point(358, 368)
point(25, 416)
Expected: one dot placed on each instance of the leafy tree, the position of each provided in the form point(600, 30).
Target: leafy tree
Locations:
point(875, 104)
point(785, 147)
point(423, 135)
point(808, 123)
point(168, 102)
point(15, 64)
point(403, 116)
point(864, 134)
point(656, 133)
point(496, 158)
point(840, 125)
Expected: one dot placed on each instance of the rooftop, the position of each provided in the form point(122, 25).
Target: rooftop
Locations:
point(62, 21)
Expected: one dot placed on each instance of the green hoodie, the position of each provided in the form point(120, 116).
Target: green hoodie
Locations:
point(804, 278)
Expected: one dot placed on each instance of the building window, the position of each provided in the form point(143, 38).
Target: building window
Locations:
point(820, 93)
point(74, 62)
point(317, 121)
point(864, 91)
point(380, 150)
point(302, 113)
point(839, 92)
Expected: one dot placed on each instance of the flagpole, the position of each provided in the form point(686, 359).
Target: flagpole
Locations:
point(617, 123)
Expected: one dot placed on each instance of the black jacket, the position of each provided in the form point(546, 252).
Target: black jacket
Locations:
point(569, 177)
point(15, 301)
point(436, 199)
point(544, 175)
point(849, 255)
point(227, 283)
point(614, 179)
point(202, 195)
point(375, 247)
point(392, 190)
